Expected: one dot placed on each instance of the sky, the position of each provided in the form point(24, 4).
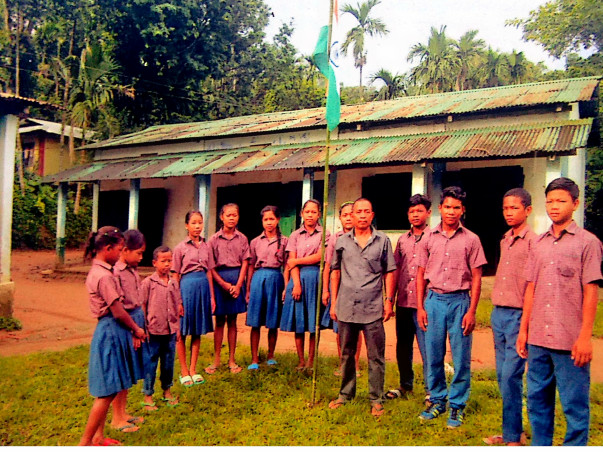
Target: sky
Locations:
point(409, 23)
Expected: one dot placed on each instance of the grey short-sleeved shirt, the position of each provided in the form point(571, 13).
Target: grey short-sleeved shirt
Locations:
point(360, 296)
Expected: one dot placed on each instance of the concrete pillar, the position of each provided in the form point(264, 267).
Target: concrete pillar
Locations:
point(202, 198)
point(61, 222)
point(332, 207)
point(435, 192)
point(134, 204)
point(308, 185)
point(8, 138)
point(95, 201)
point(553, 169)
point(419, 179)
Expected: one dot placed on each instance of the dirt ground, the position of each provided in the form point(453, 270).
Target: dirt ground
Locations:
point(55, 315)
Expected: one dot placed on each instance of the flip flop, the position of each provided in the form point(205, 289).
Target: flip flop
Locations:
point(198, 379)
point(211, 369)
point(272, 362)
point(123, 428)
point(147, 406)
point(377, 410)
point(136, 420)
point(185, 380)
point(393, 394)
point(170, 401)
point(337, 403)
point(235, 369)
point(108, 442)
point(493, 440)
point(253, 366)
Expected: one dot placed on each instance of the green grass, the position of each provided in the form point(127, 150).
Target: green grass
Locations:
point(45, 402)
point(10, 324)
point(484, 309)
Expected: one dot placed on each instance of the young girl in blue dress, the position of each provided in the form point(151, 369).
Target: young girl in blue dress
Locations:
point(111, 368)
point(265, 284)
point(191, 262)
point(231, 256)
point(126, 272)
point(299, 309)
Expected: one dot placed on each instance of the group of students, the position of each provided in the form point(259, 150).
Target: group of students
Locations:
point(544, 304)
point(434, 275)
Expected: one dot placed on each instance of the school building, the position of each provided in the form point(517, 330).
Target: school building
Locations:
point(486, 140)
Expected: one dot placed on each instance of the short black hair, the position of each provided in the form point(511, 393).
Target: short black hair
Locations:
point(453, 192)
point(345, 204)
point(134, 240)
point(160, 249)
point(521, 193)
point(418, 199)
point(564, 183)
point(362, 199)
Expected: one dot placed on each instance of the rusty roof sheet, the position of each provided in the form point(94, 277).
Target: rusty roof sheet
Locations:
point(494, 142)
point(530, 94)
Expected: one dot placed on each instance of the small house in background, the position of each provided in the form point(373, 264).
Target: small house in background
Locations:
point(42, 151)
point(487, 141)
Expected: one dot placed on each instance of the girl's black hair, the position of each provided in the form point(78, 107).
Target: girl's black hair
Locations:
point(134, 240)
point(107, 235)
point(224, 207)
point(313, 201)
point(189, 215)
point(279, 235)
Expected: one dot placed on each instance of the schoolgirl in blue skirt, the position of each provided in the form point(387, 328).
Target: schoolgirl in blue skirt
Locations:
point(230, 250)
point(191, 262)
point(125, 271)
point(265, 284)
point(111, 368)
point(299, 309)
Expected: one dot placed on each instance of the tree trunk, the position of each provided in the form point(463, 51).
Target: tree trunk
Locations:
point(78, 191)
point(360, 82)
point(17, 53)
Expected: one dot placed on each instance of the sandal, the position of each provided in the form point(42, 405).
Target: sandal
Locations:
point(187, 381)
point(235, 369)
point(211, 369)
point(108, 442)
point(147, 406)
point(272, 362)
point(377, 410)
point(136, 420)
point(337, 403)
point(123, 428)
point(393, 394)
point(253, 366)
point(171, 402)
point(198, 379)
point(493, 440)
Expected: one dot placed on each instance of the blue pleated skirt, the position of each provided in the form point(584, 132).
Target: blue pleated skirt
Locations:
point(111, 367)
point(326, 321)
point(225, 304)
point(139, 357)
point(300, 316)
point(196, 298)
point(265, 304)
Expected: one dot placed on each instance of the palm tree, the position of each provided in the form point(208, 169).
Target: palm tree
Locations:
point(495, 68)
point(395, 85)
point(518, 67)
point(356, 36)
point(437, 62)
point(468, 51)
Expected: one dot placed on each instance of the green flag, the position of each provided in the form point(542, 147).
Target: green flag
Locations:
point(321, 59)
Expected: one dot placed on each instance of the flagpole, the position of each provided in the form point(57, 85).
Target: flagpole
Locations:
point(325, 206)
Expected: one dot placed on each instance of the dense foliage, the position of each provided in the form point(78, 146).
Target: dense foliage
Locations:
point(35, 216)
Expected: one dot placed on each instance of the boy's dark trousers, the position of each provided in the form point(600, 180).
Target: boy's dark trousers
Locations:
point(161, 348)
point(406, 330)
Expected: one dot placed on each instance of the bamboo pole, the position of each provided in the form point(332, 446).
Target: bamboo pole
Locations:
point(325, 205)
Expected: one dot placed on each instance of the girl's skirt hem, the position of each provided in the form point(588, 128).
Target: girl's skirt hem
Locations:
point(300, 316)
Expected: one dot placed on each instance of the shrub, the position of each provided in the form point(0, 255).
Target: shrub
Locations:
point(10, 324)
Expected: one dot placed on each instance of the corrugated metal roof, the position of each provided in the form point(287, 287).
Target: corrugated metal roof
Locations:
point(530, 94)
point(494, 142)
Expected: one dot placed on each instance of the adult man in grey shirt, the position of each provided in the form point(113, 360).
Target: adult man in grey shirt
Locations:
point(363, 259)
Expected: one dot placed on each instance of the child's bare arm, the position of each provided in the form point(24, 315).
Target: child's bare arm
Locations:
point(582, 351)
point(522, 337)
